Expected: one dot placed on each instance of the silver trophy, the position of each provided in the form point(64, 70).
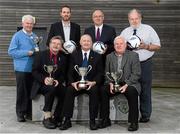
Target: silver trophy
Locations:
point(82, 71)
point(50, 69)
point(37, 41)
point(115, 77)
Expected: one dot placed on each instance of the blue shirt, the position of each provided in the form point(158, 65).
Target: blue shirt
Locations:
point(20, 44)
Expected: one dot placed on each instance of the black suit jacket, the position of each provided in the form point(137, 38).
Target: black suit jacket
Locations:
point(95, 60)
point(57, 29)
point(107, 36)
point(43, 58)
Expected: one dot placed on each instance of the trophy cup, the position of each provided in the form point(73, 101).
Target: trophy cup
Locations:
point(37, 40)
point(50, 69)
point(115, 77)
point(82, 71)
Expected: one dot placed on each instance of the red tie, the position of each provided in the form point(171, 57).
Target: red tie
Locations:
point(98, 34)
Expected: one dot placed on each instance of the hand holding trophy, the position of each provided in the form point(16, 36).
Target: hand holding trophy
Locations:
point(82, 71)
point(115, 77)
point(50, 69)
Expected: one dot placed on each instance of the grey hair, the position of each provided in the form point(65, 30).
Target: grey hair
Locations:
point(120, 37)
point(25, 17)
point(135, 10)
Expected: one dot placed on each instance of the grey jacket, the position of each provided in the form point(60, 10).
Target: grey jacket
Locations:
point(130, 65)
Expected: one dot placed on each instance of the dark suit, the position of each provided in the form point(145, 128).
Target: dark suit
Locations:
point(107, 36)
point(57, 29)
point(95, 74)
point(130, 65)
point(39, 74)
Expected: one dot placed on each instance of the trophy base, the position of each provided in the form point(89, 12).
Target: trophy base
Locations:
point(82, 86)
point(116, 88)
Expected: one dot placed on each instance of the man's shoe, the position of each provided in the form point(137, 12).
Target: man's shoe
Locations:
point(104, 123)
point(133, 127)
point(48, 123)
point(29, 116)
point(67, 124)
point(21, 118)
point(144, 120)
point(93, 125)
point(58, 123)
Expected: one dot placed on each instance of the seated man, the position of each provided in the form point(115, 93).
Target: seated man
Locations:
point(83, 57)
point(49, 73)
point(127, 62)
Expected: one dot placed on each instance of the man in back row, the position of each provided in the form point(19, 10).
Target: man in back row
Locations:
point(65, 28)
point(150, 42)
point(101, 32)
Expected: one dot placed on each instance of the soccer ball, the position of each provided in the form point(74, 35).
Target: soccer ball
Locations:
point(134, 42)
point(99, 47)
point(69, 46)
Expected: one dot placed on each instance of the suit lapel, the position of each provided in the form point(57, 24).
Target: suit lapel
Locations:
point(61, 30)
point(93, 34)
point(103, 34)
point(124, 59)
point(79, 57)
point(91, 57)
point(71, 31)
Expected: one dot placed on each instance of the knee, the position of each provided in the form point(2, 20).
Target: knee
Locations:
point(132, 91)
point(70, 90)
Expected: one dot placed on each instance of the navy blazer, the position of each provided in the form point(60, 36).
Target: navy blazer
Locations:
point(95, 60)
point(57, 29)
point(43, 58)
point(107, 36)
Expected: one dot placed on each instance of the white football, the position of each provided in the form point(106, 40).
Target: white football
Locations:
point(134, 42)
point(99, 47)
point(69, 46)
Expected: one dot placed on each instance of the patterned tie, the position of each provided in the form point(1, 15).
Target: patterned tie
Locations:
point(98, 34)
point(85, 61)
point(134, 32)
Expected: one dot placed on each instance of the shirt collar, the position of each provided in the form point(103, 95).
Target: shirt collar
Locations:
point(88, 52)
point(27, 32)
point(100, 27)
point(65, 24)
point(51, 54)
point(136, 27)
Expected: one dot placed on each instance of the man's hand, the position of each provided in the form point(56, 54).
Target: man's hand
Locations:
point(123, 88)
point(105, 49)
point(143, 46)
point(75, 85)
point(90, 84)
point(111, 88)
point(48, 81)
point(30, 53)
point(56, 83)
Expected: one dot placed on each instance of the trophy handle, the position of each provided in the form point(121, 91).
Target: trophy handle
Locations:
point(77, 69)
point(45, 68)
point(40, 40)
point(55, 68)
point(89, 69)
point(107, 74)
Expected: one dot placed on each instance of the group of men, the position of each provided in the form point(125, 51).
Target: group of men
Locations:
point(33, 77)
